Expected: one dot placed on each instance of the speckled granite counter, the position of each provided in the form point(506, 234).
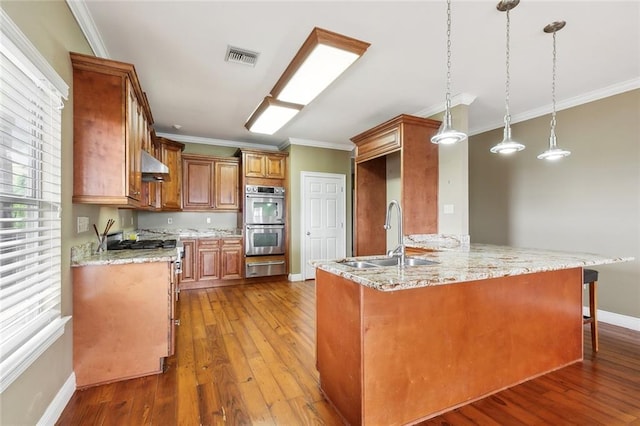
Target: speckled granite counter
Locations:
point(467, 263)
point(84, 255)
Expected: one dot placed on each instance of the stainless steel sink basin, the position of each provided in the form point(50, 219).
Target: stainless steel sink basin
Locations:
point(358, 264)
point(388, 261)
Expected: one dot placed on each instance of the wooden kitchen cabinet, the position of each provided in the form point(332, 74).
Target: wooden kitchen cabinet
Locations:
point(259, 164)
point(408, 137)
point(208, 265)
point(211, 262)
point(112, 121)
point(188, 262)
point(124, 320)
point(170, 153)
point(231, 257)
point(210, 183)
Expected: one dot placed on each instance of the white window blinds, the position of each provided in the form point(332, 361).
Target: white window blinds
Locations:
point(30, 201)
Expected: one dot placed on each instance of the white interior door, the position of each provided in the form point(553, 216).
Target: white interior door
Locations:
point(323, 218)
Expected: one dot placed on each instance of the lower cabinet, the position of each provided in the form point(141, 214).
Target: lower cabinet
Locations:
point(211, 262)
point(123, 320)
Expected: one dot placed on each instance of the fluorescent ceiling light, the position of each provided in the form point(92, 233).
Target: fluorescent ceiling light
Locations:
point(322, 58)
point(323, 65)
point(271, 115)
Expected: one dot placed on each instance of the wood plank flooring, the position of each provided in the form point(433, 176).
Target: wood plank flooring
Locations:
point(246, 356)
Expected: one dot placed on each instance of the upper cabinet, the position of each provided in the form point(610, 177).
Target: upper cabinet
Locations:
point(112, 122)
point(267, 165)
point(170, 191)
point(401, 143)
point(210, 183)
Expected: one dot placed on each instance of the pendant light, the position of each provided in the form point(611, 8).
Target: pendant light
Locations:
point(554, 153)
point(447, 135)
point(507, 146)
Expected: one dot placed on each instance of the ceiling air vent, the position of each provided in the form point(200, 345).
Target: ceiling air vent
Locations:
point(241, 56)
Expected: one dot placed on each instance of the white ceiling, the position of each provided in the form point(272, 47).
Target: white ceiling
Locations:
point(178, 49)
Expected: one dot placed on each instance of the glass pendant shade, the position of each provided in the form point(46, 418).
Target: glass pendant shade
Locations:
point(554, 153)
point(447, 135)
point(507, 146)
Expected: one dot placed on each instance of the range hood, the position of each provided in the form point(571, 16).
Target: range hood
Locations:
point(152, 169)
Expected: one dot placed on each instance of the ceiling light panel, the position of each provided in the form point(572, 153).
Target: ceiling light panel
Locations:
point(271, 115)
point(322, 58)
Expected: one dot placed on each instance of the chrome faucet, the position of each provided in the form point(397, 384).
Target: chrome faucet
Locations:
point(399, 250)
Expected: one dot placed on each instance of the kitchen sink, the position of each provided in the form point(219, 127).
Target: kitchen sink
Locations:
point(388, 261)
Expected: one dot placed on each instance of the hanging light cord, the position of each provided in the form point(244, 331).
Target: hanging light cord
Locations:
point(553, 88)
point(507, 117)
point(448, 95)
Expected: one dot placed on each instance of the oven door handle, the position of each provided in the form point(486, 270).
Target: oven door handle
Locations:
point(274, 262)
point(265, 226)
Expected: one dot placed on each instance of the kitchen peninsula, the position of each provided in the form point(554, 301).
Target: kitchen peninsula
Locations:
point(401, 345)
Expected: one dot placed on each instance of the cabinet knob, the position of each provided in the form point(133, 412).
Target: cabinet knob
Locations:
point(176, 322)
point(308, 233)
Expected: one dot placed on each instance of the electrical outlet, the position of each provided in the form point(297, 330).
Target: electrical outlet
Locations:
point(83, 224)
point(169, 220)
point(208, 220)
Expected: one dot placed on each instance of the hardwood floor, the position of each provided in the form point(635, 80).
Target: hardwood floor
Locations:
point(245, 355)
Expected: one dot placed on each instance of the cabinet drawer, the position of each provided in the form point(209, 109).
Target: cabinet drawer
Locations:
point(213, 243)
point(382, 144)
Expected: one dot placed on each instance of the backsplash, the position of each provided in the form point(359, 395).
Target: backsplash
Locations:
point(182, 220)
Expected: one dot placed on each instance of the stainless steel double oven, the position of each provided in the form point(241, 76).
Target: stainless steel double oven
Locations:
point(264, 216)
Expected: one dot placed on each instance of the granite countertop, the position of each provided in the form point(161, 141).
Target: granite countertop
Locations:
point(87, 257)
point(466, 262)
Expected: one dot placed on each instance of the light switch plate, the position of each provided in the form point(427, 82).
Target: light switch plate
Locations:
point(448, 209)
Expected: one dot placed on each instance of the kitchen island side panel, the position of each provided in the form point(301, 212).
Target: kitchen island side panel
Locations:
point(120, 321)
point(431, 349)
point(338, 343)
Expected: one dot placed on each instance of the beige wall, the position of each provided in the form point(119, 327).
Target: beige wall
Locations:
point(588, 202)
point(310, 159)
point(51, 27)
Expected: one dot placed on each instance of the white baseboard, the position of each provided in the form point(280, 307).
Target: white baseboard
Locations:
point(296, 277)
point(625, 321)
point(60, 401)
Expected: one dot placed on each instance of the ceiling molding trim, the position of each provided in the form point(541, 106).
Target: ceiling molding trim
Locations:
point(216, 142)
point(347, 146)
point(605, 92)
point(459, 99)
point(29, 56)
point(88, 27)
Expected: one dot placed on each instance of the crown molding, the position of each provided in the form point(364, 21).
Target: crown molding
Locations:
point(605, 92)
point(346, 146)
point(88, 27)
point(459, 99)
point(33, 61)
point(216, 142)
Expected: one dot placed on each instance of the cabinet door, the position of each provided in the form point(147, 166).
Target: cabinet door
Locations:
point(274, 167)
point(231, 259)
point(197, 184)
point(173, 294)
point(208, 259)
point(133, 141)
point(188, 262)
point(254, 165)
point(172, 189)
point(227, 185)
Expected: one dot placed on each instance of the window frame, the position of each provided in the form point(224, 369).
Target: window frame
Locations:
point(16, 46)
